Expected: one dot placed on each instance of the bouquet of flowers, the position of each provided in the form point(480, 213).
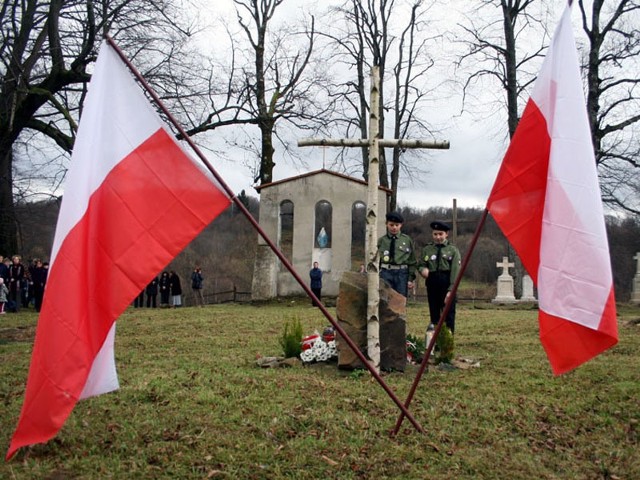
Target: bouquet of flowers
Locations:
point(320, 351)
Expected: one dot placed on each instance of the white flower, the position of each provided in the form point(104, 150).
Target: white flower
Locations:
point(307, 356)
point(320, 352)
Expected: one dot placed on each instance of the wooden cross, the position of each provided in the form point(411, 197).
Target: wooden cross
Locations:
point(455, 221)
point(374, 143)
point(505, 265)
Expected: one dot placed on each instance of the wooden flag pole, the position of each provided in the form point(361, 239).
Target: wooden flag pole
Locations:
point(445, 312)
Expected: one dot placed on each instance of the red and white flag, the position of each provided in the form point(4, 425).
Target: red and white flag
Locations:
point(133, 200)
point(547, 201)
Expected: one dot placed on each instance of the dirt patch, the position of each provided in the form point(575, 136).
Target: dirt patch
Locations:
point(17, 334)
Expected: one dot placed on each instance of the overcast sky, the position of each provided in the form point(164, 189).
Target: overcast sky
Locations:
point(465, 172)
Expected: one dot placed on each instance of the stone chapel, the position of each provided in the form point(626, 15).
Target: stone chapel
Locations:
point(315, 217)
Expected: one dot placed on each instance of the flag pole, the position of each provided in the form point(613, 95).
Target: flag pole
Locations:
point(445, 312)
point(254, 223)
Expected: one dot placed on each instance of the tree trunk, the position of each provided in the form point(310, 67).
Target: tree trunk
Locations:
point(593, 78)
point(266, 157)
point(8, 228)
point(511, 68)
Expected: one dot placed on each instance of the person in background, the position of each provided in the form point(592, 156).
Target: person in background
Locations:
point(397, 256)
point(4, 292)
point(4, 270)
point(196, 285)
point(152, 293)
point(31, 270)
point(16, 277)
point(25, 285)
point(165, 289)
point(138, 302)
point(40, 274)
point(176, 289)
point(315, 274)
point(439, 264)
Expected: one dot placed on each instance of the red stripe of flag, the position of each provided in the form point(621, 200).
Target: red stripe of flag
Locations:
point(146, 209)
point(546, 199)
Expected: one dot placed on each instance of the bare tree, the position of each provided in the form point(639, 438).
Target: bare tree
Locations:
point(409, 73)
point(46, 48)
point(271, 79)
point(499, 49)
point(613, 97)
point(494, 51)
point(375, 32)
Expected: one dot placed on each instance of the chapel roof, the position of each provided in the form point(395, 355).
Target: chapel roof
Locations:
point(318, 172)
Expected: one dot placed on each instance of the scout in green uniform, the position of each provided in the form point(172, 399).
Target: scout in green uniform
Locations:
point(397, 256)
point(439, 264)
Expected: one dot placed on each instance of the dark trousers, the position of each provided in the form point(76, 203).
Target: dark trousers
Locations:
point(151, 300)
point(437, 288)
point(318, 293)
point(14, 295)
point(139, 301)
point(38, 293)
point(164, 297)
point(396, 279)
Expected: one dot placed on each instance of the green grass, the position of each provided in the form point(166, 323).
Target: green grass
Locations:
point(192, 404)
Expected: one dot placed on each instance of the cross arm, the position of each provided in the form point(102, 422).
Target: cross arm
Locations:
point(363, 142)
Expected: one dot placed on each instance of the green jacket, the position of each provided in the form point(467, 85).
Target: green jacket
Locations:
point(404, 252)
point(449, 260)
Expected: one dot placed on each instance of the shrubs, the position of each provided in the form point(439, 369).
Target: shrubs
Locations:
point(444, 345)
point(443, 350)
point(291, 339)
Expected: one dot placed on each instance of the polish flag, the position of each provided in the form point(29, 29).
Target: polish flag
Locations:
point(133, 200)
point(546, 199)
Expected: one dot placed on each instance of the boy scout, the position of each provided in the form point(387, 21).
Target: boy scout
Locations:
point(397, 257)
point(439, 264)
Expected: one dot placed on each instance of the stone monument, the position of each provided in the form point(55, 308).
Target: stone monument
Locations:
point(635, 293)
point(505, 283)
point(351, 310)
point(527, 289)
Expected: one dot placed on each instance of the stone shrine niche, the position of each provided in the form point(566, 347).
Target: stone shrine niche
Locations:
point(323, 235)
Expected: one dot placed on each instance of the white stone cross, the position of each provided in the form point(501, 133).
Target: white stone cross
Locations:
point(374, 143)
point(505, 265)
point(637, 259)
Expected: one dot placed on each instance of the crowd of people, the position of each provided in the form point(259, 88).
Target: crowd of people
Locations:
point(21, 286)
point(169, 287)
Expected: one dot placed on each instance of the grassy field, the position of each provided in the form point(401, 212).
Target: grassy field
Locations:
point(193, 404)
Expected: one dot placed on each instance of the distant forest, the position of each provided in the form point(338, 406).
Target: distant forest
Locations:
point(225, 250)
